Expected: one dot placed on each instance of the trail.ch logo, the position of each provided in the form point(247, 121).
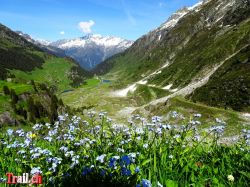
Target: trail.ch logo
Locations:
point(24, 179)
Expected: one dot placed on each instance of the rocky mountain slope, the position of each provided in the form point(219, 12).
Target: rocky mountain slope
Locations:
point(191, 45)
point(43, 45)
point(91, 50)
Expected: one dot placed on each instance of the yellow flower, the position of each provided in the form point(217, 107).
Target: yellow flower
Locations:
point(33, 135)
point(230, 178)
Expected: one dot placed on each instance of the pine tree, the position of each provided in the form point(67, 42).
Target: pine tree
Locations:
point(31, 108)
point(6, 90)
point(25, 114)
point(13, 95)
point(34, 85)
point(32, 118)
point(60, 102)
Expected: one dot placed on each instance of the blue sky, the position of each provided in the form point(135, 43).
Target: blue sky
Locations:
point(57, 19)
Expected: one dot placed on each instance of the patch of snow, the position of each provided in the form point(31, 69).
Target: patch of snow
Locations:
point(174, 90)
point(158, 72)
point(173, 20)
point(167, 87)
point(106, 41)
point(229, 4)
point(197, 5)
point(132, 88)
point(152, 85)
point(165, 65)
point(125, 91)
point(142, 82)
point(222, 8)
point(219, 19)
point(159, 37)
point(43, 42)
point(73, 43)
point(97, 39)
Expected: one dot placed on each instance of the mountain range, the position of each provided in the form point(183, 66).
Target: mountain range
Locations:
point(92, 49)
point(88, 51)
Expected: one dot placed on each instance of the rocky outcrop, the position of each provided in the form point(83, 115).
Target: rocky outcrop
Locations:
point(6, 119)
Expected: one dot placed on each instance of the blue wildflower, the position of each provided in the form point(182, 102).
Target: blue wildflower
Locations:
point(86, 170)
point(36, 170)
point(156, 119)
point(9, 132)
point(63, 148)
point(102, 172)
point(126, 172)
point(146, 183)
point(112, 162)
point(145, 146)
point(66, 175)
point(137, 169)
point(125, 159)
point(197, 115)
point(101, 158)
point(217, 129)
point(2, 180)
point(35, 156)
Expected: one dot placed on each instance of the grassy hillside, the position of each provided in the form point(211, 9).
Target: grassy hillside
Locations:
point(200, 41)
point(31, 80)
point(17, 53)
point(144, 94)
point(26, 61)
point(213, 47)
point(16, 57)
point(55, 71)
point(229, 87)
point(22, 104)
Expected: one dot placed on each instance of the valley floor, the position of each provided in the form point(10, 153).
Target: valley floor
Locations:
point(98, 95)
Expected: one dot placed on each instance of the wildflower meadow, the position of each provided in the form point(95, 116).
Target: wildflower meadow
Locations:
point(94, 151)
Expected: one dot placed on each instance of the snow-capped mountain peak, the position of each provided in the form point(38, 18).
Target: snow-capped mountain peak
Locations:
point(92, 49)
point(26, 36)
point(89, 50)
point(94, 39)
point(175, 17)
point(173, 20)
point(44, 42)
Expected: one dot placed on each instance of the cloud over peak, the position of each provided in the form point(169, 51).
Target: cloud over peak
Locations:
point(85, 26)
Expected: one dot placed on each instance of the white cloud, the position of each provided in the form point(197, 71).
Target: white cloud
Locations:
point(62, 32)
point(86, 26)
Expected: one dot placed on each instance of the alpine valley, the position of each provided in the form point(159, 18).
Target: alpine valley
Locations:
point(197, 61)
point(170, 109)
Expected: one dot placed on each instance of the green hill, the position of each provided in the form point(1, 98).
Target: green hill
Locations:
point(25, 61)
point(229, 86)
point(33, 79)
